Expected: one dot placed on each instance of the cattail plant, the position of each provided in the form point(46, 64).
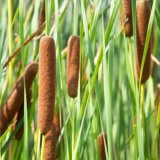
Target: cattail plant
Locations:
point(15, 99)
point(143, 15)
point(19, 115)
point(73, 55)
point(47, 83)
point(50, 144)
point(42, 14)
point(126, 17)
point(102, 142)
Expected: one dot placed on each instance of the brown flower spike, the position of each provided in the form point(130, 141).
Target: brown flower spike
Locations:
point(20, 114)
point(126, 17)
point(143, 15)
point(50, 144)
point(73, 54)
point(47, 83)
point(15, 99)
point(102, 141)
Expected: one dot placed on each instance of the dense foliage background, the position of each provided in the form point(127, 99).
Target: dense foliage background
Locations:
point(109, 97)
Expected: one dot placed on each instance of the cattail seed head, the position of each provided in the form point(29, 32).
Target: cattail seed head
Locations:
point(143, 15)
point(47, 83)
point(126, 17)
point(42, 14)
point(102, 141)
point(20, 114)
point(15, 99)
point(50, 144)
point(73, 52)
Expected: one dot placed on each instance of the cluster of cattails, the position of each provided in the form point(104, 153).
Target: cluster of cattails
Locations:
point(16, 97)
point(102, 146)
point(73, 56)
point(143, 10)
point(126, 17)
point(47, 123)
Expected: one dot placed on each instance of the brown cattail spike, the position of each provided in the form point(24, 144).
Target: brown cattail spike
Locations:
point(102, 142)
point(19, 115)
point(73, 53)
point(15, 99)
point(42, 14)
point(47, 82)
point(50, 144)
point(126, 17)
point(143, 15)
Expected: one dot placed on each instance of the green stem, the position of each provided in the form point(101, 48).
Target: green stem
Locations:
point(75, 18)
point(10, 41)
point(144, 124)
